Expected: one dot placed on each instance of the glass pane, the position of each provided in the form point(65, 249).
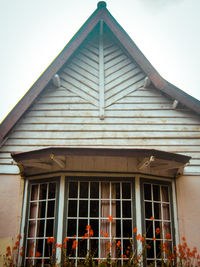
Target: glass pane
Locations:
point(115, 190)
point(105, 208)
point(82, 227)
point(83, 208)
point(82, 248)
point(43, 191)
point(165, 194)
point(149, 229)
point(49, 228)
point(166, 229)
point(158, 229)
point(126, 190)
point(150, 249)
point(166, 212)
point(105, 190)
point(116, 209)
point(42, 209)
point(94, 208)
point(148, 210)
point(71, 227)
point(156, 192)
point(158, 249)
point(127, 228)
point(52, 190)
point(157, 211)
point(105, 228)
point(39, 246)
point(83, 189)
point(30, 247)
point(33, 210)
point(94, 190)
point(147, 192)
point(118, 228)
point(40, 228)
point(34, 192)
point(73, 190)
point(72, 208)
point(51, 208)
point(126, 209)
point(31, 228)
point(95, 227)
point(95, 247)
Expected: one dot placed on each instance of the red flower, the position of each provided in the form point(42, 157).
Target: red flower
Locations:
point(106, 235)
point(53, 250)
point(142, 239)
point(19, 237)
point(50, 240)
point(17, 243)
point(91, 233)
point(135, 230)
point(42, 260)
point(88, 227)
point(110, 218)
point(138, 237)
point(152, 218)
point(153, 238)
point(66, 239)
point(37, 254)
point(158, 231)
point(75, 244)
point(118, 244)
point(21, 253)
point(168, 235)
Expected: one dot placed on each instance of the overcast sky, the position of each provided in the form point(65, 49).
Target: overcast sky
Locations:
point(33, 32)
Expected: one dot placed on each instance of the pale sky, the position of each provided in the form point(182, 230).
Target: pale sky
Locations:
point(33, 32)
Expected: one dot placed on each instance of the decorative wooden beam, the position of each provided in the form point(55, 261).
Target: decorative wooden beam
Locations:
point(145, 162)
point(147, 82)
point(175, 104)
point(101, 73)
point(59, 162)
point(39, 165)
point(56, 80)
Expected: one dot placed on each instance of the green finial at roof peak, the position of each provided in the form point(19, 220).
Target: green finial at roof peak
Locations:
point(101, 4)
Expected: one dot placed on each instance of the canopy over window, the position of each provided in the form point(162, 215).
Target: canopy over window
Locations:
point(144, 161)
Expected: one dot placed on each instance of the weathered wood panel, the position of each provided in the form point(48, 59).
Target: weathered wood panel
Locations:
point(134, 117)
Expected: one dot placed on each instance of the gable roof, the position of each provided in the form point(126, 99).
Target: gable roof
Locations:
point(100, 14)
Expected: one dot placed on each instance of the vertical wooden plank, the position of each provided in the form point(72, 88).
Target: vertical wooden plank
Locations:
point(175, 213)
point(101, 73)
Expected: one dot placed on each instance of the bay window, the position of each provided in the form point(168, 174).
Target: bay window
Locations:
point(108, 206)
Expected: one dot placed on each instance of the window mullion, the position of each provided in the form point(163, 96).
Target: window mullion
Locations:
point(60, 215)
point(138, 211)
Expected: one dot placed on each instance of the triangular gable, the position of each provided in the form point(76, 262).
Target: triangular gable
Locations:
point(100, 16)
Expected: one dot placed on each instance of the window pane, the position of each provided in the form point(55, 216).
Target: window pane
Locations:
point(94, 208)
point(115, 190)
point(72, 208)
point(71, 227)
point(105, 190)
point(83, 208)
point(149, 229)
point(156, 192)
point(51, 208)
point(43, 191)
point(94, 190)
point(165, 194)
point(126, 191)
point(40, 228)
point(34, 192)
point(147, 191)
point(82, 248)
point(52, 190)
point(166, 212)
point(33, 210)
point(95, 227)
point(42, 209)
point(126, 209)
point(73, 190)
point(83, 190)
point(31, 228)
point(127, 228)
point(157, 211)
point(49, 227)
point(148, 210)
point(82, 223)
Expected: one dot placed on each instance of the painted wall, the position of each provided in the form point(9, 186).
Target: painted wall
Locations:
point(189, 209)
point(11, 195)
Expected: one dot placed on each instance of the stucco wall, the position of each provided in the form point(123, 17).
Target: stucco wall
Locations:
point(188, 192)
point(11, 195)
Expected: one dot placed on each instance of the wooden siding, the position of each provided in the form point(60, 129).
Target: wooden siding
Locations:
point(134, 117)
